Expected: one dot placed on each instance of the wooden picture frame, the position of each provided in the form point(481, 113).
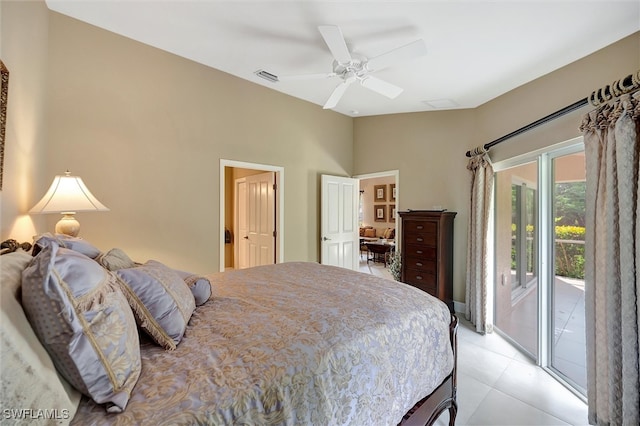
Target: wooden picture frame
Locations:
point(380, 213)
point(4, 96)
point(379, 193)
point(392, 212)
point(392, 192)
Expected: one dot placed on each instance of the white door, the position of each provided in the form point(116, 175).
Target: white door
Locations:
point(339, 222)
point(256, 220)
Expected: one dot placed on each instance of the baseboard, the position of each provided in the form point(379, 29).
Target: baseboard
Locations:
point(459, 307)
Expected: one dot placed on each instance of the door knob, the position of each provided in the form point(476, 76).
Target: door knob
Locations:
point(246, 238)
point(326, 239)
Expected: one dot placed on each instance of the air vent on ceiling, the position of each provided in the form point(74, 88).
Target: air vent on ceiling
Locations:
point(267, 76)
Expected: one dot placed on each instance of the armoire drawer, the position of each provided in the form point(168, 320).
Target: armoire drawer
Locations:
point(421, 265)
point(421, 251)
point(422, 239)
point(413, 276)
point(423, 281)
point(420, 226)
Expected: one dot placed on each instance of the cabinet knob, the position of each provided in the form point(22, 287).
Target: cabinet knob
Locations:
point(418, 277)
point(419, 251)
point(419, 264)
point(419, 239)
point(420, 227)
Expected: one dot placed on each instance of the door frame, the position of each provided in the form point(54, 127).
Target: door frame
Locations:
point(279, 171)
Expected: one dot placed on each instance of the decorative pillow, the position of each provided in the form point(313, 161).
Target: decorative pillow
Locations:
point(200, 286)
point(370, 233)
point(83, 320)
point(115, 259)
point(389, 234)
point(66, 241)
point(161, 301)
point(28, 377)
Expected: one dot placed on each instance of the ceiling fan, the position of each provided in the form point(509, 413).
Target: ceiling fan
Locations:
point(351, 68)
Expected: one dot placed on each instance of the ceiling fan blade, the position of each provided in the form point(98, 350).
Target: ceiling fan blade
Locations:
point(335, 42)
point(337, 94)
point(387, 89)
point(318, 76)
point(412, 50)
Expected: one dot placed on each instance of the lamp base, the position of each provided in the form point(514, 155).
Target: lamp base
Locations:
point(68, 225)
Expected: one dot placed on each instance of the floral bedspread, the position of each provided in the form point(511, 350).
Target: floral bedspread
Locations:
point(294, 343)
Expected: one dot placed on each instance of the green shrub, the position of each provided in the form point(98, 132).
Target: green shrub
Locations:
point(570, 251)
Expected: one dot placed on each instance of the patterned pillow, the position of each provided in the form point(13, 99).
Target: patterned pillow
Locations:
point(115, 259)
point(83, 320)
point(66, 241)
point(370, 232)
point(200, 286)
point(28, 376)
point(161, 301)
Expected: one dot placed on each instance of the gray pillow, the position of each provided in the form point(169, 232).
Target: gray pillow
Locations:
point(200, 286)
point(161, 301)
point(84, 321)
point(66, 241)
point(115, 259)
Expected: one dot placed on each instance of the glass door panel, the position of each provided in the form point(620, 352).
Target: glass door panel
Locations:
point(516, 302)
point(567, 291)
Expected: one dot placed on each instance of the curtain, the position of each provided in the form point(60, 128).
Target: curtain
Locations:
point(612, 258)
point(478, 242)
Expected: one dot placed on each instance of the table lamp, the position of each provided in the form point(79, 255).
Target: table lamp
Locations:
point(68, 195)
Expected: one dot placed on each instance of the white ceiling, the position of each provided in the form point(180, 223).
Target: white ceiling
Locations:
point(476, 50)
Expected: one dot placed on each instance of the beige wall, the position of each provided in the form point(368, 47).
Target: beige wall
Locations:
point(24, 50)
point(428, 148)
point(146, 130)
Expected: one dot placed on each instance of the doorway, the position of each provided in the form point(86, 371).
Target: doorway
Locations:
point(255, 182)
point(379, 198)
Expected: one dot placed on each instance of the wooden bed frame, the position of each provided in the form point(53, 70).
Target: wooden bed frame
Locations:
point(427, 411)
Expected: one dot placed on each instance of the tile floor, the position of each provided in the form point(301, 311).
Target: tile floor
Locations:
point(498, 385)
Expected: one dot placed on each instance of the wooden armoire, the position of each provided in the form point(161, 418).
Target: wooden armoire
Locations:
point(427, 252)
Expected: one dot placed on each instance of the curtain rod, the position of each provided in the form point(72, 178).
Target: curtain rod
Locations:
point(569, 108)
point(628, 84)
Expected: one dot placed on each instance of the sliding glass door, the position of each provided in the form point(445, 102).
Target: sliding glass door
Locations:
point(516, 303)
point(539, 246)
point(568, 348)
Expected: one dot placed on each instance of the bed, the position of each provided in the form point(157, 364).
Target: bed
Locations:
point(293, 343)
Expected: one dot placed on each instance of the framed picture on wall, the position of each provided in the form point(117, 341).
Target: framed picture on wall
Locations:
point(392, 212)
point(392, 192)
point(380, 213)
point(379, 193)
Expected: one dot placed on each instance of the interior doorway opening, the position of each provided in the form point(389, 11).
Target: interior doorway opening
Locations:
point(251, 214)
point(377, 217)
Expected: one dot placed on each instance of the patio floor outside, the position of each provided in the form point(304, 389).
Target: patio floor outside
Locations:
point(569, 347)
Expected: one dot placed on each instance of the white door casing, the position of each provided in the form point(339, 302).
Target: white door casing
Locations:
point(339, 222)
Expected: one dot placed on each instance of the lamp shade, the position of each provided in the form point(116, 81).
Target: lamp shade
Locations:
point(68, 194)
